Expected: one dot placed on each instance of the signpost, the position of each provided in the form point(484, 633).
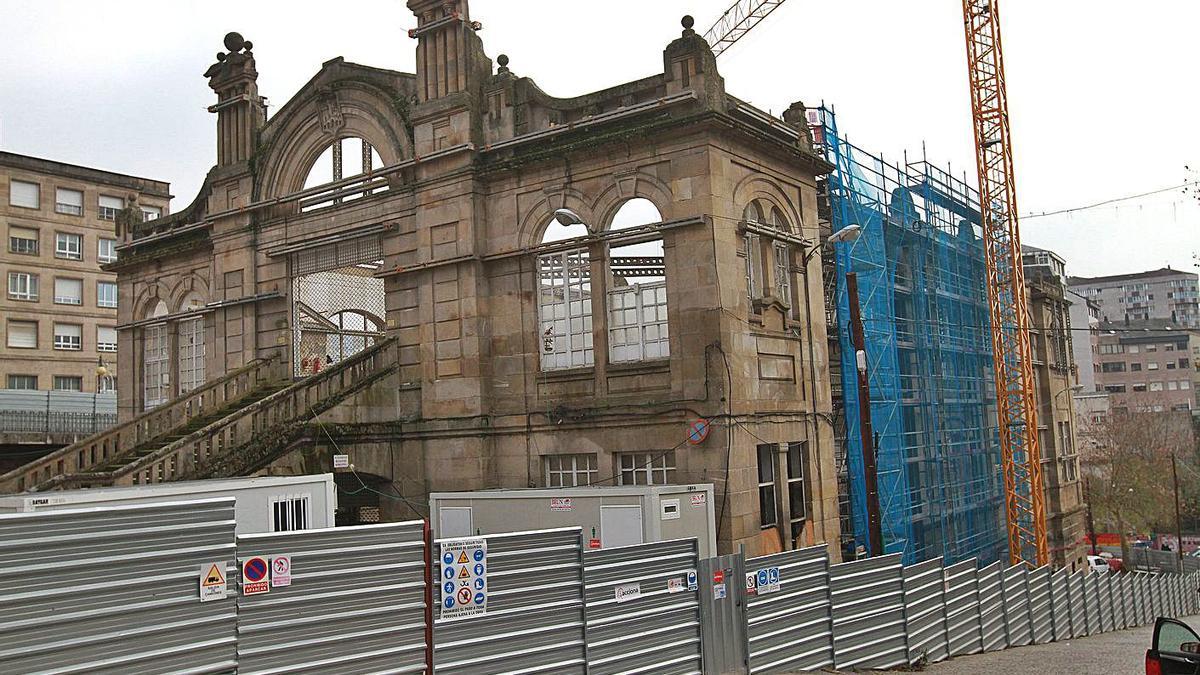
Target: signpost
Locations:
point(254, 576)
point(212, 582)
point(464, 577)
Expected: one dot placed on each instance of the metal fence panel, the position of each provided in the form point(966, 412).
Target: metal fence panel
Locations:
point(1124, 593)
point(1108, 606)
point(723, 614)
point(791, 629)
point(963, 630)
point(1145, 605)
point(1091, 603)
point(1016, 606)
point(1040, 611)
point(925, 612)
point(535, 610)
point(356, 602)
point(656, 630)
point(116, 589)
point(867, 599)
point(1079, 627)
point(1060, 605)
point(991, 607)
point(1157, 586)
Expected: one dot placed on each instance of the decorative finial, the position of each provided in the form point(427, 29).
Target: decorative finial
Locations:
point(234, 42)
point(688, 22)
point(221, 56)
point(502, 60)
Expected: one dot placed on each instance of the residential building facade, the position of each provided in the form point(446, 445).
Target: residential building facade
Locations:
point(1159, 295)
point(59, 308)
point(1148, 366)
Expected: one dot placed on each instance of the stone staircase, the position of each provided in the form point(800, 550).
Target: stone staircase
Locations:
point(229, 427)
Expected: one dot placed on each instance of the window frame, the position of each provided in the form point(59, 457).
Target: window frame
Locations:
point(102, 346)
point(567, 348)
point(9, 333)
point(14, 377)
point(76, 379)
point(100, 255)
point(66, 253)
point(287, 510)
point(108, 212)
point(590, 472)
point(767, 486)
point(66, 208)
point(37, 240)
point(32, 286)
point(12, 191)
point(797, 483)
point(101, 283)
point(65, 299)
point(653, 463)
point(66, 345)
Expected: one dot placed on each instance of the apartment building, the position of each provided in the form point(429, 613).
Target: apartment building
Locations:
point(1148, 365)
point(59, 308)
point(1163, 294)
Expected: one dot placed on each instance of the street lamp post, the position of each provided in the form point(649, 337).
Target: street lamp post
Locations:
point(101, 372)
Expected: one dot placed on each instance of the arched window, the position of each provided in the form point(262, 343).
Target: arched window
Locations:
point(768, 258)
point(637, 293)
point(356, 330)
point(565, 301)
point(156, 368)
point(344, 158)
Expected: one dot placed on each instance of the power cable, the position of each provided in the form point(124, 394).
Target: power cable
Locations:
point(1108, 201)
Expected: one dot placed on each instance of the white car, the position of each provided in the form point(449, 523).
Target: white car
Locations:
point(1098, 564)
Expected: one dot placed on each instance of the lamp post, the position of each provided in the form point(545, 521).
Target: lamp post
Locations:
point(101, 373)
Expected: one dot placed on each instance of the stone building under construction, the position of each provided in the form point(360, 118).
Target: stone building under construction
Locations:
point(463, 282)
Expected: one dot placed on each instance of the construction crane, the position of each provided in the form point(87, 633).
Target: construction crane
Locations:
point(1017, 411)
point(1016, 407)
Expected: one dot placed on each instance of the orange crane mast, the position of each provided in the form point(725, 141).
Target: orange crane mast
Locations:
point(1016, 407)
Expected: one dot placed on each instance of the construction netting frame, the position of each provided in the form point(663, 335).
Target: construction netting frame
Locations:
point(338, 305)
point(921, 270)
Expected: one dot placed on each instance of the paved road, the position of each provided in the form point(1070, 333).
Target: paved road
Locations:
point(1117, 653)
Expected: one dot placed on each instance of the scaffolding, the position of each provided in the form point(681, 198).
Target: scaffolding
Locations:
point(921, 275)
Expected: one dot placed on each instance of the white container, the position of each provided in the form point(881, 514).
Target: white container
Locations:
point(609, 515)
point(263, 504)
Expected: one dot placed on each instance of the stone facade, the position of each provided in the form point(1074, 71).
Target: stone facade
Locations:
point(483, 222)
point(59, 227)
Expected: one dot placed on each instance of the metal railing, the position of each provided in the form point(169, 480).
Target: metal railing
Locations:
point(81, 457)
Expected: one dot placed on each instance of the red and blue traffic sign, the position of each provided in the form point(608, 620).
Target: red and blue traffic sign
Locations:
point(254, 569)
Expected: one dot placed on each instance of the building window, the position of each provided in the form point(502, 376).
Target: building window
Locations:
point(290, 513)
point(23, 240)
point(1135, 367)
point(68, 201)
point(107, 250)
point(1138, 386)
point(23, 382)
point(68, 291)
point(106, 339)
point(155, 366)
point(110, 207)
point(797, 497)
point(637, 293)
point(150, 213)
point(783, 273)
point(1170, 365)
point(22, 286)
point(768, 514)
point(1152, 366)
point(1113, 367)
point(570, 470)
point(1156, 386)
point(23, 194)
point(1134, 349)
point(1183, 363)
point(106, 384)
point(1151, 348)
point(191, 354)
point(68, 246)
point(68, 383)
point(753, 254)
point(565, 310)
point(22, 334)
point(1172, 386)
point(1114, 388)
point(68, 336)
point(646, 468)
point(106, 294)
point(1184, 384)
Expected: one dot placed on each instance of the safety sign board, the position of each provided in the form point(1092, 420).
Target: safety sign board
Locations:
point(254, 576)
point(627, 592)
point(718, 591)
point(212, 581)
point(675, 585)
point(699, 499)
point(560, 504)
point(718, 576)
point(281, 571)
point(464, 577)
point(697, 431)
point(341, 461)
point(693, 583)
point(762, 581)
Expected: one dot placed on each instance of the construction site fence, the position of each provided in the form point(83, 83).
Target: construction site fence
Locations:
point(120, 588)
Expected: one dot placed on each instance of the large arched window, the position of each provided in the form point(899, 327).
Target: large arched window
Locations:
point(344, 158)
point(156, 367)
point(768, 258)
point(637, 292)
point(565, 300)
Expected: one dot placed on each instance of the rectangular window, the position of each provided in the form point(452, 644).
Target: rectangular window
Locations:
point(68, 291)
point(783, 273)
point(570, 470)
point(1139, 386)
point(23, 240)
point(68, 246)
point(1135, 367)
point(109, 206)
point(1151, 348)
point(1114, 388)
point(107, 250)
point(24, 382)
point(1183, 363)
point(68, 201)
point(1113, 367)
point(22, 334)
point(22, 286)
point(1170, 365)
point(646, 468)
point(1151, 366)
point(106, 294)
point(797, 497)
point(106, 384)
point(1184, 384)
point(156, 384)
point(1172, 386)
point(68, 383)
point(1156, 386)
point(290, 513)
point(68, 336)
point(1134, 349)
point(150, 213)
point(753, 256)
point(106, 339)
point(637, 322)
point(23, 194)
point(565, 310)
point(191, 354)
point(768, 514)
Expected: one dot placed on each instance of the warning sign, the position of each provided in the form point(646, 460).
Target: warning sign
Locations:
point(281, 571)
point(464, 577)
point(699, 499)
point(212, 581)
point(560, 504)
point(254, 576)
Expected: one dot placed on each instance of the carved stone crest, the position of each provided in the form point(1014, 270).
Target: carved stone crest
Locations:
point(330, 114)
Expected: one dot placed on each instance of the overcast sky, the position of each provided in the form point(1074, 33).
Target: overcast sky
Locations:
point(1102, 93)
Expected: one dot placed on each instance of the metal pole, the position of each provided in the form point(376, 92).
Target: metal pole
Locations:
point(1090, 524)
point(1178, 527)
point(429, 596)
point(867, 434)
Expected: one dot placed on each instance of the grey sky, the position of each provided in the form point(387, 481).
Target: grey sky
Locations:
point(1100, 91)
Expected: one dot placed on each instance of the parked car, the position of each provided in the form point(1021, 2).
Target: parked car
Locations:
point(1174, 650)
point(1116, 565)
point(1097, 564)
